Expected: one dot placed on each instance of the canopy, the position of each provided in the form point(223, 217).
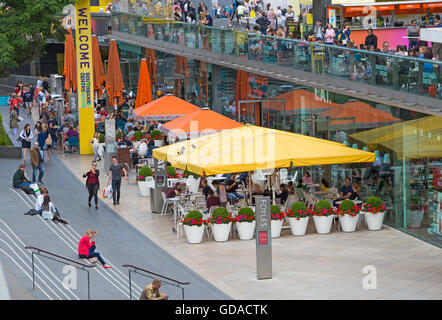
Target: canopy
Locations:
point(114, 78)
point(167, 107)
point(97, 64)
point(144, 91)
point(203, 120)
point(249, 148)
point(414, 139)
point(70, 63)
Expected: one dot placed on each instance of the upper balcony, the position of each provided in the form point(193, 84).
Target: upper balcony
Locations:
point(397, 80)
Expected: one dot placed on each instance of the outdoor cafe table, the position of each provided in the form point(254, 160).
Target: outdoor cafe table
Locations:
point(322, 194)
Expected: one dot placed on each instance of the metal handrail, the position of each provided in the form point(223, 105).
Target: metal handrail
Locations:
point(176, 283)
point(81, 266)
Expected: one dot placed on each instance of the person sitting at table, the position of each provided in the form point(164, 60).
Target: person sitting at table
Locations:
point(212, 200)
point(231, 187)
point(175, 191)
point(206, 188)
point(291, 187)
point(284, 194)
point(221, 191)
point(324, 185)
point(124, 142)
point(257, 189)
point(300, 184)
point(306, 180)
point(347, 191)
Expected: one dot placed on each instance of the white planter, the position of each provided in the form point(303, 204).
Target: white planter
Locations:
point(194, 234)
point(276, 228)
point(221, 231)
point(158, 143)
point(298, 227)
point(101, 149)
point(245, 230)
point(415, 219)
point(142, 149)
point(136, 144)
point(374, 220)
point(323, 224)
point(348, 223)
point(144, 189)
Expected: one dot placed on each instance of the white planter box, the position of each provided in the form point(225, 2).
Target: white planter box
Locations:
point(276, 228)
point(323, 224)
point(194, 234)
point(298, 227)
point(348, 223)
point(143, 187)
point(158, 143)
point(136, 144)
point(374, 220)
point(101, 149)
point(221, 231)
point(245, 230)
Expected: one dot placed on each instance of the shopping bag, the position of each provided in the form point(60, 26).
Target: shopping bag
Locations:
point(108, 192)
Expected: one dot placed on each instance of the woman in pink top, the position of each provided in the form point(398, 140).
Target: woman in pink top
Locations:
point(86, 248)
point(329, 34)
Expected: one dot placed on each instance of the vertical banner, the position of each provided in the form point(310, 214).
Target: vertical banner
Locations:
point(84, 75)
point(263, 238)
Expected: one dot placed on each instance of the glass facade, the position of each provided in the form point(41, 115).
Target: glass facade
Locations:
point(407, 173)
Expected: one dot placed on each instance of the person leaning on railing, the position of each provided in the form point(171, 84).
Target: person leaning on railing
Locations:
point(152, 291)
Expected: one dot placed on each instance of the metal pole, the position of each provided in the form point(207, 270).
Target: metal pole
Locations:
point(33, 278)
point(182, 289)
point(88, 286)
point(130, 286)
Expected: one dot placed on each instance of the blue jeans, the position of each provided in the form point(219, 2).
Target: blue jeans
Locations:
point(41, 172)
point(234, 196)
point(24, 184)
point(93, 254)
point(116, 184)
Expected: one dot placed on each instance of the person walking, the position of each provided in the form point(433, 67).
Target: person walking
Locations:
point(92, 183)
point(14, 122)
point(36, 157)
point(152, 291)
point(44, 140)
point(25, 138)
point(95, 142)
point(86, 248)
point(115, 176)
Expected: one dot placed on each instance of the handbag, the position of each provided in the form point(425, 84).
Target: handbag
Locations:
point(48, 140)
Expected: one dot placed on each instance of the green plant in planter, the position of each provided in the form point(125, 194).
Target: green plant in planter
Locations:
point(323, 208)
point(245, 215)
point(348, 207)
point(298, 210)
point(374, 205)
point(118, 134)
point(156, 135)
point(101, 138)
point(275, 213)
point(220, 215)
point(171, 171)
point(193, 218)
point(144, 172)
point(138, 135)
point(188, 173)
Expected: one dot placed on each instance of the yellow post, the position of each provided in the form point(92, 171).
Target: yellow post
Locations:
point(84, 75)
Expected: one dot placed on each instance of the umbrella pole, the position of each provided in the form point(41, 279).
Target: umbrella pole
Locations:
point(250, 187)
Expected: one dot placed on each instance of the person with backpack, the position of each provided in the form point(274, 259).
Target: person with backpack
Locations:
point(344, 35)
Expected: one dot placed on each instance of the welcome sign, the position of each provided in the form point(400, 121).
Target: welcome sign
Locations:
point(84, 75)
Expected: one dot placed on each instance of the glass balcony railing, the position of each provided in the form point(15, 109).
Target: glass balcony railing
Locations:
point(408, 74)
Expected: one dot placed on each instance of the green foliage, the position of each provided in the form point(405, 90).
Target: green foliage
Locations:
point(275, 210)
point(101, 138)
point(347, 205)
point(323, 204)
point(118, 134)
point(144, 172)
point(25, 28)
point(156, 135)
point(375, 202)
point(220, 214)
point(188, 173)
point(246, 212)
point(195, 214)
point(171, 171)
point(4, 138)
point(138, 135)
point(193, 218)
point(297, 206)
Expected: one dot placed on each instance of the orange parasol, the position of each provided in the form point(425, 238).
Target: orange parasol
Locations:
point(201, 120)
point(97, 64)
point(114, 78)
point(70, 63)
point(144, 91)
point(167, 107)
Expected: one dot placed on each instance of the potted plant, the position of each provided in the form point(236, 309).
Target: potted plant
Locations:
point(374, 211)
point(144, 179)
point(221, 222)
point(157, 137)
point(348, 215)
point(118, 135)
point(194, 226)
point(171, 172)
point(323, 216)
point(277, 219)
point(298, 218)
point(101, 144)
point(245, 223)
point(136, 139)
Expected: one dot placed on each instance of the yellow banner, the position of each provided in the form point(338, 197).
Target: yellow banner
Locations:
point(84, 75)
